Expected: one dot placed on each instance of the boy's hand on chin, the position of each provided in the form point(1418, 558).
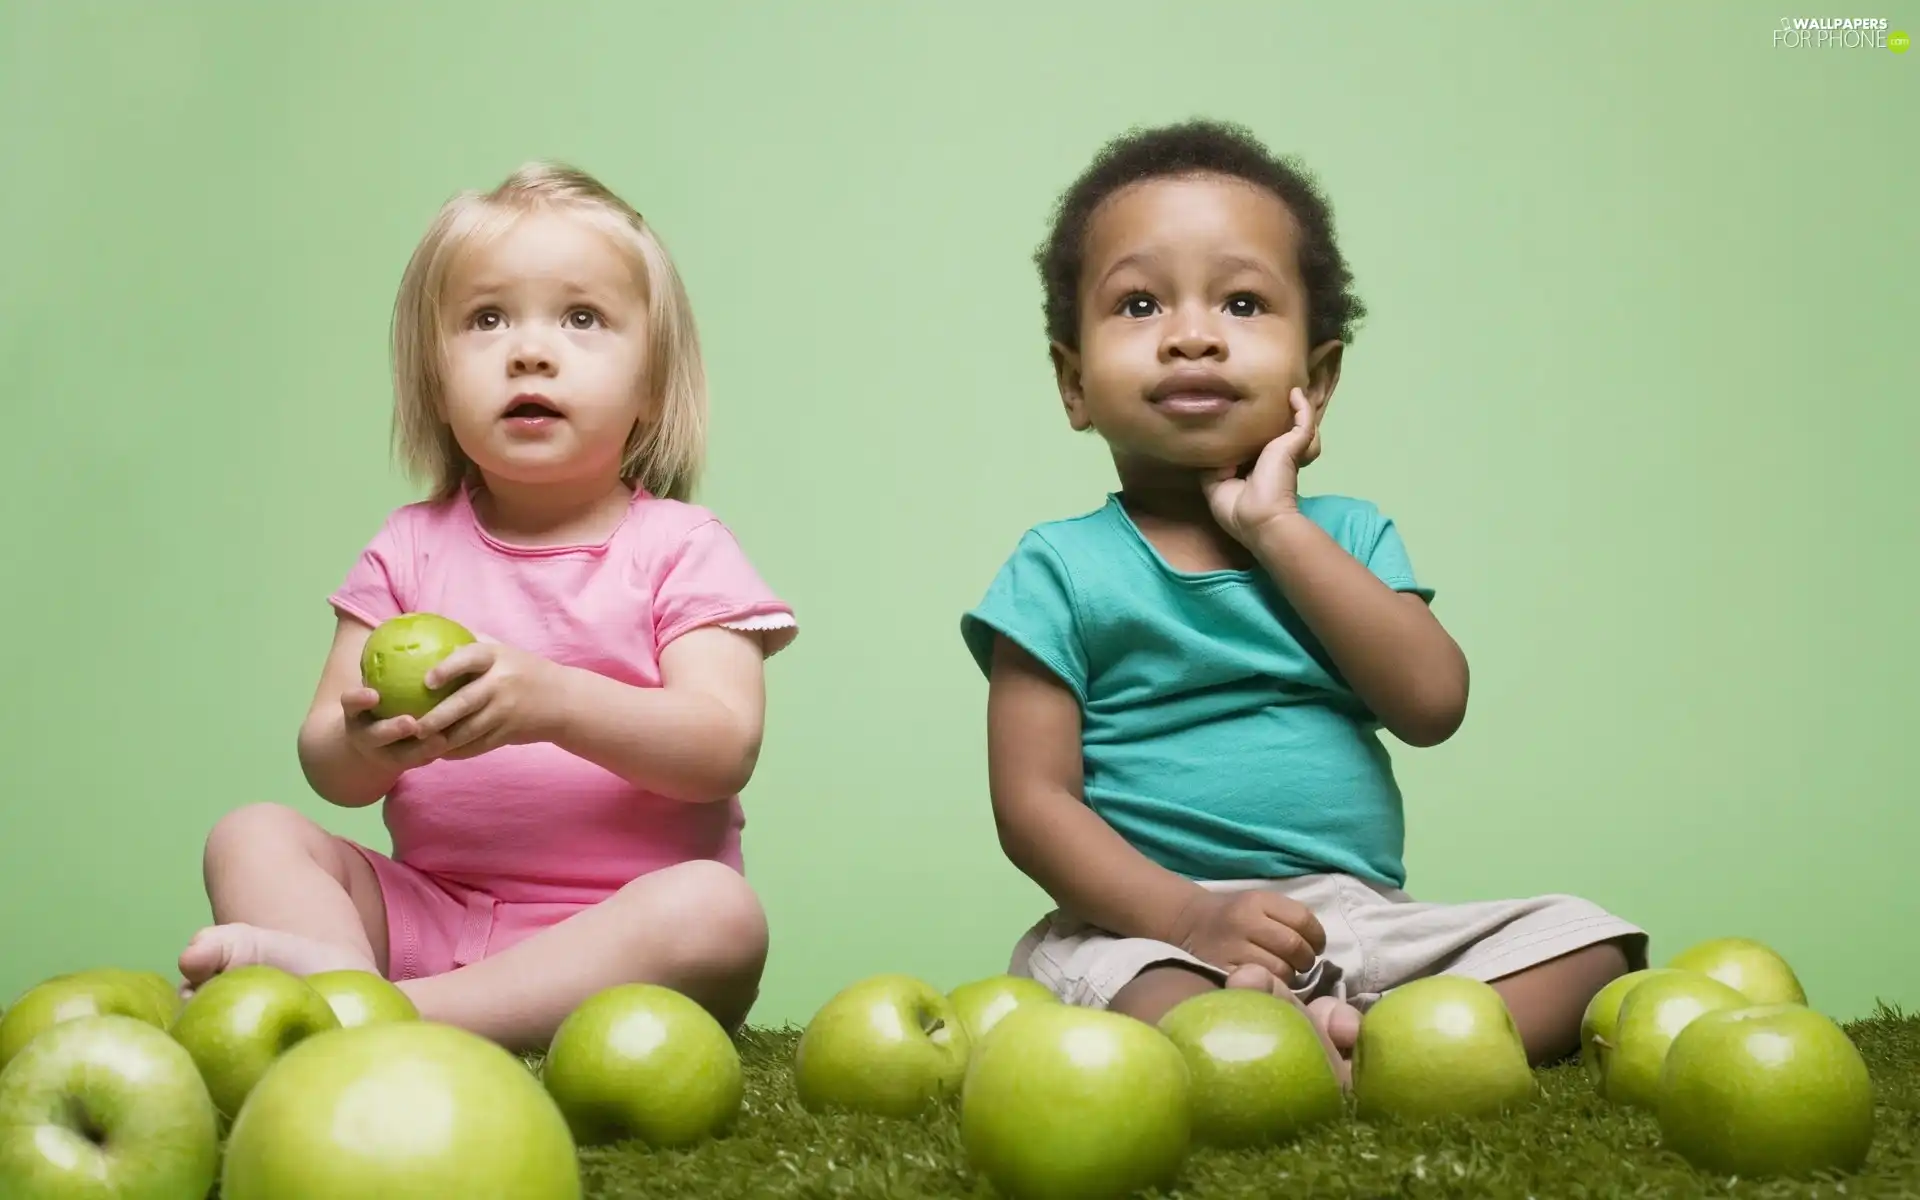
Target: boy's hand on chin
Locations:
point(1270, 491)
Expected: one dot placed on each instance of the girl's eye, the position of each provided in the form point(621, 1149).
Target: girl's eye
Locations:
point(1245, 305)
point(582, 318)
point(1139, 305)
point(486, 320)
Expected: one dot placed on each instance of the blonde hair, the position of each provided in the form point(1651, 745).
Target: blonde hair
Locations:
point(666, 448)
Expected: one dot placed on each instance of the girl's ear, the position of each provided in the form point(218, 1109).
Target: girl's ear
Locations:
point(1066, 375)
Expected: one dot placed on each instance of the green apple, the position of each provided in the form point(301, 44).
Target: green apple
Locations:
point(1065, 1101)
point(362, 998)
point(70, 997)
point(107, 1107)
point(166, 994)
point(398, 655)
point(642, 1061)
point(1603, 1012)
point(982, 1003)
point(408, 1110)
point(1767, 1090)
point(890, 1045)
point(1440, 1046)
point(241, 1021)
point(1751, 968)
point(1260, 1073)
point(1651, 1016)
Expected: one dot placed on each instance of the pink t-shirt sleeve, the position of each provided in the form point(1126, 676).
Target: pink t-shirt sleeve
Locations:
point(379, 584)
point(709, 581)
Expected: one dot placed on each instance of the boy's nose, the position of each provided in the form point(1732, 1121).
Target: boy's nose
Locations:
point(1195, 339)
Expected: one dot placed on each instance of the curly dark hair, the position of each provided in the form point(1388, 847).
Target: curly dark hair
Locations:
point(1195, 147)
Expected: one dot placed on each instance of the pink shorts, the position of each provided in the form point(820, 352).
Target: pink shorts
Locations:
point(435, 925)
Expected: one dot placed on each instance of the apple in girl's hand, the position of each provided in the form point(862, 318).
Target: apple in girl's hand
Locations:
point(982, 1003)
point(362, 998)
point(1651, 1016)
point(398, 655)
point(241, 1021)
point(1440, 1046)
point(644, 1061)
point(1260, 1074)
point(890, 1045)
point(411, 1110)
point(1602, 1014)
point(1075, 1102)
point(1751, 968)
point(70, 997)
point(106, 1107)
point(1766, 1091)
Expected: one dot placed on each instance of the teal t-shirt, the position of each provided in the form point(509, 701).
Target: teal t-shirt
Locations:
point(1217, 736)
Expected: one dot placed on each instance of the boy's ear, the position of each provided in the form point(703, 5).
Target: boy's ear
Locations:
point(1323, 375)
point(1066, 374)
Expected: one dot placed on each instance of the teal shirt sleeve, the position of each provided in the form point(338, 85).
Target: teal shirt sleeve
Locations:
point(1031, 604)
point(1387, 558)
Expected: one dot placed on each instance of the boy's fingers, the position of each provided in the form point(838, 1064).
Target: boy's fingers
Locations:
point(1286, 945)
point(1299, 918)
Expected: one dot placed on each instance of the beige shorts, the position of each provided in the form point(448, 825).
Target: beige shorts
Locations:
point(1377, 939)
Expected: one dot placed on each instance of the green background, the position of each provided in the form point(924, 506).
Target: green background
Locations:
point(1638, 387)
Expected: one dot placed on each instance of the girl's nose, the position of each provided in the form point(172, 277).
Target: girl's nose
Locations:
point(530, 359)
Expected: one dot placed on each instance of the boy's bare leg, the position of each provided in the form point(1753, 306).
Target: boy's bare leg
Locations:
point(288, 894)
point(1150, 994)
point(1548, 1000)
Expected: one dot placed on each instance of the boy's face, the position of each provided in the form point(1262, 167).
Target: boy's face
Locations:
point(1193, 326)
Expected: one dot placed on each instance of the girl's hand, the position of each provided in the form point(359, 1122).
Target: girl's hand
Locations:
point(392, 742)
point(1271, 490)
point(510, 700)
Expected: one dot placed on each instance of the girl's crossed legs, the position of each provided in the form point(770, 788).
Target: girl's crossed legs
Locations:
point(291, 895)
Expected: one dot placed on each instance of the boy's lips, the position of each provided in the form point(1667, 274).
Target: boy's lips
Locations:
point(1194, 392)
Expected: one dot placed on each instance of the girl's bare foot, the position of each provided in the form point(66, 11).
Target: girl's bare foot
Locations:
point(1337, 1024)
point(220, 948)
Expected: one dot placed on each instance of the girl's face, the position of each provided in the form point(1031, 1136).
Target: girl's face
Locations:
point(546, 354)
point(1193, 326)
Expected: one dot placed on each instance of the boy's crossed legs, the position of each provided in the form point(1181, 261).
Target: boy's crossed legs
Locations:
point(288, 894)
point(1546, 956)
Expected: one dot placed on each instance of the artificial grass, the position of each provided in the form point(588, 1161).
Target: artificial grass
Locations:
point(1572, 1146)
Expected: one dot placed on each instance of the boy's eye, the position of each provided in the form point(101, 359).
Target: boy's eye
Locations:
point(582, 318)
point(1139, 305)
point(1245, 305)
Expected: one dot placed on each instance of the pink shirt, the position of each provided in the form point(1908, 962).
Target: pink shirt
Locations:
point(535, 823)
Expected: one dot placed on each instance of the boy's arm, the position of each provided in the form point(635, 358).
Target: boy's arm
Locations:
point(1388, 645)
point(1046, 829)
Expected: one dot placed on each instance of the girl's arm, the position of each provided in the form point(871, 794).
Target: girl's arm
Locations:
point(1388, 645)
point(339, 771)
point(695, 738)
